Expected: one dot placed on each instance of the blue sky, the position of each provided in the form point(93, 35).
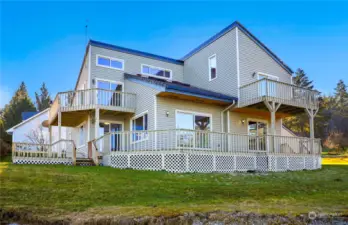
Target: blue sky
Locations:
point(45, 41)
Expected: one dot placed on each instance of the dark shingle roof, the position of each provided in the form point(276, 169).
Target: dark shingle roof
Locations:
point(183, 88)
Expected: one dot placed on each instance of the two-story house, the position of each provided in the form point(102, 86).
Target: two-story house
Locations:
point(219, 108)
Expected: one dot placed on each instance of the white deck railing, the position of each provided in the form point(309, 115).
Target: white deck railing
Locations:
point(59, 149)
point(92, 98)
point(280, 92)
point(192, 140)
point(81, 99)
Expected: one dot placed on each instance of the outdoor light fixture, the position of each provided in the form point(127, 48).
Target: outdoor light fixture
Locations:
point(254, 74)
point(167, 113)
point(243, 121)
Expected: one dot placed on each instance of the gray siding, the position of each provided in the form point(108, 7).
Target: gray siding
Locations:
point(196, 67)
point(236, 125)
point(145, 98)
point(170, 105)
point(254, 59)
point(132, 65)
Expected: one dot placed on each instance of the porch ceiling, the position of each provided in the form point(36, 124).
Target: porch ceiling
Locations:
point(192, 98)
point(283, 111)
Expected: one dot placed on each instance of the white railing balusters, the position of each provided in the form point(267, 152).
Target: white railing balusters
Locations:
point(281, 92)
point(193, 140)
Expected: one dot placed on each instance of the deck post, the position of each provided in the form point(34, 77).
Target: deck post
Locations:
point(273, 108)
point(59, 125)
point(311, 114)
point(96, 123)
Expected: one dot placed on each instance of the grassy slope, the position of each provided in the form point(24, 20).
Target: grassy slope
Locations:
point(61, 190)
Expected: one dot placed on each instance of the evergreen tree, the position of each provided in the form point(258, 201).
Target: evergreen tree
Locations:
point(43, 99)
point(12, 113)
point(341, 97)
point(300, 123)
point(300, 79)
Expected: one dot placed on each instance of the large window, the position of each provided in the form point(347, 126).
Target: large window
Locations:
point(193, 127)
point(156, 71)
point(109, 62)
point(212, 67)
point(139, 126)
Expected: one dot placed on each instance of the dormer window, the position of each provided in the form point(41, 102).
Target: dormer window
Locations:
point(212, 67)
point(108, 62)
point(156, 71)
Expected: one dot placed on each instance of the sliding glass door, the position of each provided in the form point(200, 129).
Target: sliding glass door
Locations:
point(109, 93)
point(114, 140)
point(194, 127)
point(257, 133)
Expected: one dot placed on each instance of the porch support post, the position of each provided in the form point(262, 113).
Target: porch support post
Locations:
point(59, 125)
point(273, 108)
point(96, 123)
point(311, 114)
point(50, 134)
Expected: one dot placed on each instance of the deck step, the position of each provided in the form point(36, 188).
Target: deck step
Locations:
point(84, 162)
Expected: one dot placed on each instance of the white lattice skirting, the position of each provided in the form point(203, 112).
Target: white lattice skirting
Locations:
point(214, 162)
point(37, 160)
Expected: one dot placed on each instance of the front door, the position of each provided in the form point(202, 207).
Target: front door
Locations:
point(257, 135)
point(113, 141)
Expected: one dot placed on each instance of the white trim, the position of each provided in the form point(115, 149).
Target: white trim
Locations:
point(110, 81)
point(154, 115)
point(216, 74)
point(131, 126)
point(110, 58)
point(237, 61)
point(195, 113)
point(113, 122)
point(27, 120)
point(156, 67)
point(89, 128)
point(228, 122)
point(89, 67)
point(267, 75)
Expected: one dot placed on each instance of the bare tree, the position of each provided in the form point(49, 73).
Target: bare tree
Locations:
point(37, 136)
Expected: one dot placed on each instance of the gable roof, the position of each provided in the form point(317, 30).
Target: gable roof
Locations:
point(182, 88)
point(10, 131)
point(135, 52)
point(250, 35)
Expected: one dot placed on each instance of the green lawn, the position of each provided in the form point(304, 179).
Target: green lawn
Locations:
point(49, 190)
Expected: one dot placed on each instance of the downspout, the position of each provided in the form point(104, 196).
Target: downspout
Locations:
point(222, 114)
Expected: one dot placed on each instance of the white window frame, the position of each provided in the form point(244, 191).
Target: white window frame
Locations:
point(194, 113)
point(216, 75)
point(110, 81)
point(131, 126)
point(110, 58)
point(257, 121)
point(113, 122)
point(156, 67)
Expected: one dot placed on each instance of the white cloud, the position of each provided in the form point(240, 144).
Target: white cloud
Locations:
point(5, 95)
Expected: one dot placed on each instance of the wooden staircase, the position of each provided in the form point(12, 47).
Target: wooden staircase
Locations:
point(84, 162)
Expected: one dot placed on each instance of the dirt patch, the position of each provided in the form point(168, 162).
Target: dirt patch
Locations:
point(211, 218)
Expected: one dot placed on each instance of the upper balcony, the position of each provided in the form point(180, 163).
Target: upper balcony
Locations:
point(291, 97)
point(79, 101)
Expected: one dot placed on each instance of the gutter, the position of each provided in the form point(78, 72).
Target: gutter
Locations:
point(234, 103)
